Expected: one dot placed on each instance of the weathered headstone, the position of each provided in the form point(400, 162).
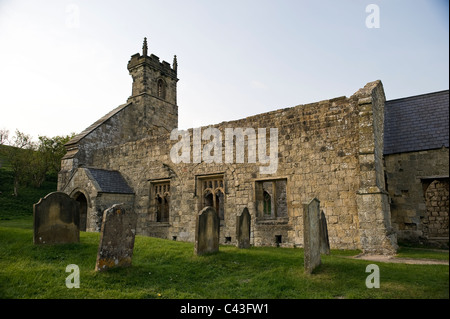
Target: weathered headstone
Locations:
point(56, 219)
point(243, 229)
point(324, 241)
point(311, 235)
point(207, 231)
point(116, 238)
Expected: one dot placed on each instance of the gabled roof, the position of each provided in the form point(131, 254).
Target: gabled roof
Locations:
point(417, 123)
point(99, 122)
point(108, 181)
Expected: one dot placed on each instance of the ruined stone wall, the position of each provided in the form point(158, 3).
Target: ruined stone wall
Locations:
point(329, 150)
point(318, 147)
point(408, 177)
point(376, 232)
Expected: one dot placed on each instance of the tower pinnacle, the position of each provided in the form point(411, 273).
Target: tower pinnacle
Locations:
point(175, 63)
point(144, 47)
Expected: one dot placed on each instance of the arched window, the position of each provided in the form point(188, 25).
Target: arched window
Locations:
point(270, 198)
point(267, 203)
point(165, 209)
point(214, 195)
point(161, 192)
point(208, 199)
point(161, 92)
point(159, 208)
point(219, 204)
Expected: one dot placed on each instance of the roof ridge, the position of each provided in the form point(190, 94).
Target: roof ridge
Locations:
point(418, 95)
point(97, 123)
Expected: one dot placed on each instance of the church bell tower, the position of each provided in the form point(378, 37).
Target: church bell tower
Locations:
point(154, 90)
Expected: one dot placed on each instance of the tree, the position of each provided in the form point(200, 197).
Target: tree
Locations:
point(20, 158)
point(32, 162)
point(50, 152)
point(4, 133)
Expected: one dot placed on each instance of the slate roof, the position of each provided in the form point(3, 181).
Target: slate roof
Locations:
point(416, 123)
point(109, 181)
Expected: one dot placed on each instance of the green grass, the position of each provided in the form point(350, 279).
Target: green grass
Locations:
point(12, 207)
point(422, 253)
point(169, 269)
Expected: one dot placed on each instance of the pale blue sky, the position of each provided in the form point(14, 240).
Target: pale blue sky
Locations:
point(63, 63)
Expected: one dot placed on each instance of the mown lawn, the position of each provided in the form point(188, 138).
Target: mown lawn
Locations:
point(168, 269)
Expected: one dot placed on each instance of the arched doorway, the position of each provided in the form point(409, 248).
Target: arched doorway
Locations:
point(83, 210)
point(435, 223)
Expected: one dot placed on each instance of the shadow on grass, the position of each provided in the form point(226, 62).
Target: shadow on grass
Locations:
point(169, 269)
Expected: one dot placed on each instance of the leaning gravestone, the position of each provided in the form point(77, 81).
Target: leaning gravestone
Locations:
point(207, 231)
point(243, 229)
point(116, 238)
point(311, 235)
point(324, 241)
point(56, 220)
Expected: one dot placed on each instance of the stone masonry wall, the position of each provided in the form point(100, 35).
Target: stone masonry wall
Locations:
point(376, 232)
point(319, 156)
point(329, 150)
point(409, 175)
point(97, 202)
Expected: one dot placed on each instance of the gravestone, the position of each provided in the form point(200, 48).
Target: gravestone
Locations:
point(116, 238)
point(56, 220)
point(324, 241)
point(243, 229)
point(311, 235)
point(207, 231)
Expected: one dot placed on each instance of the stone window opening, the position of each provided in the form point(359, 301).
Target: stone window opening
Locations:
point(161, 92)
point(270, 198)
point(278, 240)
point(213, 194)
point(161, 193)
point(267, 203)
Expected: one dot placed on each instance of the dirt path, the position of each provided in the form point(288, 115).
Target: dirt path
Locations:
point(393, 259)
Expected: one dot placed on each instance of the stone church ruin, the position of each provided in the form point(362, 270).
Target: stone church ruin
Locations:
point(332, 150)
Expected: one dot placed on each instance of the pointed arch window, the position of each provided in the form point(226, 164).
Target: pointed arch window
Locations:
point(161, 89)
point(161, 195)
point(267, 203)
point(270, 195)
point(213, 194)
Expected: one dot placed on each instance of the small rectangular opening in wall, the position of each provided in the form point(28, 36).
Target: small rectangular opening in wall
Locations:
point(278, 240)
point(174, 238)
point(227, 240)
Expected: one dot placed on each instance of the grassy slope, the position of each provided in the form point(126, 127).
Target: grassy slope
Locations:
point(12, 207)
point(168, 269)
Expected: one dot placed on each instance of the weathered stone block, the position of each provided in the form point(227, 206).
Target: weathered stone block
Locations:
point(311, 235)
point(116, 238)
point(207, 232)
point(56, 219)
point(324, 241)
point(243, 222)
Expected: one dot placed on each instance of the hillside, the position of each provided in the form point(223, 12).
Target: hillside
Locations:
point(12, 207)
